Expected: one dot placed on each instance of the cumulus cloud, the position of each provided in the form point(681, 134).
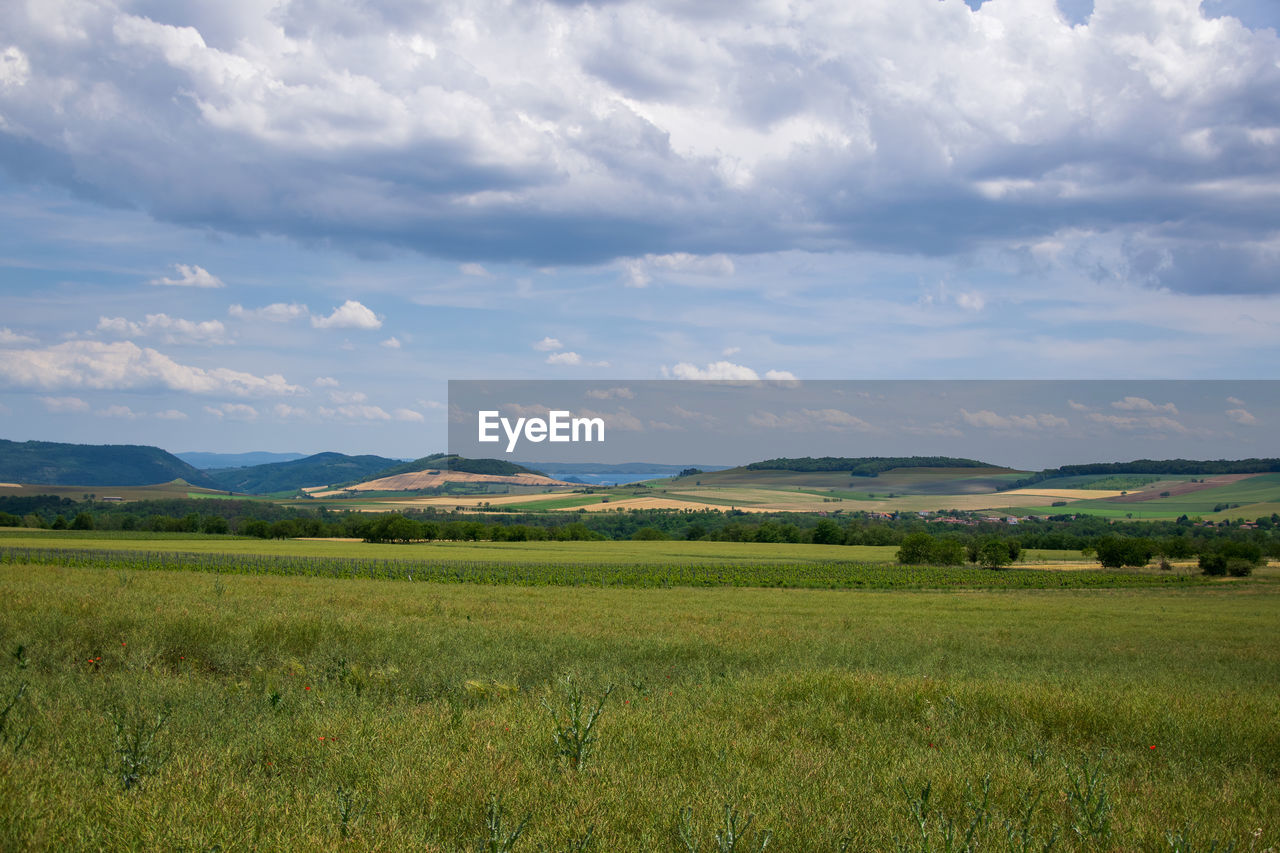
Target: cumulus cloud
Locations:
point(391, 343)
point(276, 312)
point(354, 413)
point(619, 393)
point(988, 419)
point(1132, 423)
point(64, 405)
point(548, 344)
point(475, 270)
point(117, 411)
point(348, 315)
point(189, 276)
point(724, 370)
point(124, 365)
point(1142, 404)
point(8, 337)
point(564, 358)
point(171, 415)
point(924, 127)
point(284, 410)
point(408, 415)
point(233, 412)
point(172, 330)
point(325, 382)
point(1242, 417)
point(808, 420)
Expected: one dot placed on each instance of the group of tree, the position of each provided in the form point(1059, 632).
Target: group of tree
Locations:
point(922, 549)
point(862, 466)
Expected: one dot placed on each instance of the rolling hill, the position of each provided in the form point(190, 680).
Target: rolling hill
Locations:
point(58, 464)
point(320, 469)
point(205, 461)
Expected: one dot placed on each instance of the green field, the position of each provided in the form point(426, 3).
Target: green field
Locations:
point(1256, 496)
point(315, 713)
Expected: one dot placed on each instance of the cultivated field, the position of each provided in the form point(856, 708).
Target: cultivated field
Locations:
point(197, 710)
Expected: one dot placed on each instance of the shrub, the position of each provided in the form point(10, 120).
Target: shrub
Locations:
point(916, 549)
point(994, 554)
point(1238, 567)
point(1117, 551)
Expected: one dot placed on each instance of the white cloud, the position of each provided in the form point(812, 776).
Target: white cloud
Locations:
point(808, 420)
point(971, 301)
point(548, 344)
point(15, 68)
point(620, 393)
point(9, 337)
point(171, 415)
point(714, 370)
point(717, 265)
point(391, 343)
point(284, 410)
point(354, 413)
point(780, 375)
point(408, 415)
point(233, 412)
point(64, 405)
point(988, 419)
point(119, 366)
point(1078, 407)
point(189, 276)
point(173, 330)
point(348, 315)
point(1242, 416)
point(276, 312)
point(475, 270)
point(1235, 401)
point(634, 274)
point(1130, 423)
point(728, 351)
point(347, 397)
point(564, 358)
point(1142, 404)
point(117, 411)
point(325, 382)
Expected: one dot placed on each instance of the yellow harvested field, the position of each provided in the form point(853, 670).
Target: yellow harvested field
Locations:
point(10, 486)
point(432, 479)
point(1067, 494)
point(653, 503)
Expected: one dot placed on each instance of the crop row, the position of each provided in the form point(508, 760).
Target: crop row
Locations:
point(820, 575)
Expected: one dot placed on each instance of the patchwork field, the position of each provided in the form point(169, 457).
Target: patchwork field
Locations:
point(187, 710)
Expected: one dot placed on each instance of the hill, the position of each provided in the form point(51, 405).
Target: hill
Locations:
point(453, 462)
point(57, 464)
point(205, 461)
point(863, 466)
point(1175, 467)
point(321, 469)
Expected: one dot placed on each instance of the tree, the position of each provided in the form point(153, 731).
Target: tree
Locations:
point(916, 549)
point(1115, 552)
point(82, 521)
point(994, 554)
point(948, 552)
point(827, 532)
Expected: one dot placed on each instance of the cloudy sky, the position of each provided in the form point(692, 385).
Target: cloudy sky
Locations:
point(247, 225)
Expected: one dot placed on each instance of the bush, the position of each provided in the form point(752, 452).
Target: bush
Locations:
point(994, 554)
point(948, 552)
point(1115, 552)
point(916, 549)
point(1239, 568)
point(648, 534)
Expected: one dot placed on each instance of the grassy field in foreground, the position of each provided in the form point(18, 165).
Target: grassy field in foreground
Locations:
point(349, 714)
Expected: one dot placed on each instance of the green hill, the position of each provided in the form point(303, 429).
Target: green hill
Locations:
point(322, 469)
point(452, 462)
point(862, 466)
point(56, 464)
point(1176, 467)
point(919, 475)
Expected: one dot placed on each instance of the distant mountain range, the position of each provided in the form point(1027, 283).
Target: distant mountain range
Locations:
point(205, 461)
point(56, 464)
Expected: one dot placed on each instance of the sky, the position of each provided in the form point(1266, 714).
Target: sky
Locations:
point(284, 226)
point(1029, 424)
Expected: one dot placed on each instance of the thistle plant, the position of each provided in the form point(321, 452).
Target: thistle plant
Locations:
point(137, 750)
point(731, 837)
point(499, 840)
point(573, 730)
point(350, 809)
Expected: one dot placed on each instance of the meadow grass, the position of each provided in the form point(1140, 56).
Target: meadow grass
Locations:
point(306, 713)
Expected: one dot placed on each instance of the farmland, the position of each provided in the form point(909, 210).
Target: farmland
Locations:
point(328, 711)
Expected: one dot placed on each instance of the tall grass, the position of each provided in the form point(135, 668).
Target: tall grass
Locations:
point(317, 713)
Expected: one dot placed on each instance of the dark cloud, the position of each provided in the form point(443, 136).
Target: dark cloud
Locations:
point(577, 133)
